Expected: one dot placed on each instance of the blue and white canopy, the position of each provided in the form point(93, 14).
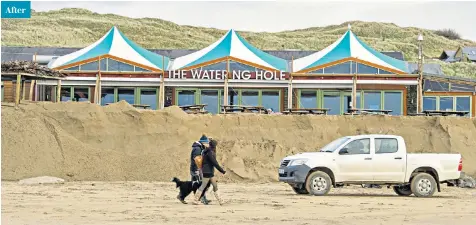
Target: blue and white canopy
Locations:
point(348, 48)
point(233, 47)
point(117, 46)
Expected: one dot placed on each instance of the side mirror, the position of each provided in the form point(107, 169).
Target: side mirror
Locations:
point(343, 151)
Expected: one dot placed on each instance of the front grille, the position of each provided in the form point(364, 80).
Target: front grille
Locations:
point(285, 163)
point(285, 174)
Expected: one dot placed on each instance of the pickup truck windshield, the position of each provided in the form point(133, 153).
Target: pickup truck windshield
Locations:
point(331, 147)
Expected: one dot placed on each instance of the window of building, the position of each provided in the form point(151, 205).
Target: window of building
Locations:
point(381, 71)
point(429, 103)
point(149, 97)
point(319, 71)
point(364, 69)
point(372, 100)
point(393, 101)
point(107, 95)
point(446, 103)
point(430, 85)
point(126, 94)
point(463, 103)
point(113, 65)
point(92, 66)
point(74, 68)
point(80, 94)
point(343, 68)
point(186, 97)
point(214, 98)
point(139, 69)
point(74, 93)
point(332, 101)
point(386, 145)
point(308, 99)
point(271, 100)
point(217, 66)
point(250, 97)
point(462, 87)
point(65, 94)
point(211, 99)
point(237, 66)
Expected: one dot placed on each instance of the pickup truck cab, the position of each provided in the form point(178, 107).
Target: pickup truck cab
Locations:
point(369, 159)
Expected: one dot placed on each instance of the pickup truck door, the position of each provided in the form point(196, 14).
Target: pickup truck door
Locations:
point(354, 161)
point(389, 160)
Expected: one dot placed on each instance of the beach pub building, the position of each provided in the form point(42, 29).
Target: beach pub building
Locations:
point(231, 71)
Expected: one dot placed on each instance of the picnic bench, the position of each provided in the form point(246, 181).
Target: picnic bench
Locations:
point(301, 111)
point(242, 109)
point(351, 111)
point(134, 105)
point(444, 113)
point(141, 106)
point(416, 114)
point(194, 109)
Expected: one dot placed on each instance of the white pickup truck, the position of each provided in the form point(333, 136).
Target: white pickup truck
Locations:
point(369, 159)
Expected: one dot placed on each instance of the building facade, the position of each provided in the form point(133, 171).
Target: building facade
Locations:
point(231, 71)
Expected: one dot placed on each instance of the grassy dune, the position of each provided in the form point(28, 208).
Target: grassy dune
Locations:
point(80, 27)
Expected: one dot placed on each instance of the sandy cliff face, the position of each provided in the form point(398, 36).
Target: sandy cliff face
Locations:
point(82, 141)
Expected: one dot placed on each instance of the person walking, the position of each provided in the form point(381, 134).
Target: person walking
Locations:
point(195, 163)
point(208, 169)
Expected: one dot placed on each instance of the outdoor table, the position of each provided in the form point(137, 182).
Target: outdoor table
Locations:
point(445, 113)
point(372, 111)
point(301, 111)
point(141, 106)
point(242, 109)
point(194, 109)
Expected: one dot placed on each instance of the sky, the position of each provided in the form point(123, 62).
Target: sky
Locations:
point(272, 16)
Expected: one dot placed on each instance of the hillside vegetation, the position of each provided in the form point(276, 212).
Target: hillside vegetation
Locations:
point(80, 27)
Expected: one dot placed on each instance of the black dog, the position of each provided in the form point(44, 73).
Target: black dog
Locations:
point(187, 187)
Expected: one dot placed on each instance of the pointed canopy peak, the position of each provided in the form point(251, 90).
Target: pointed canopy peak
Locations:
point(114, 44)
point(348, 47)
point(230, 45)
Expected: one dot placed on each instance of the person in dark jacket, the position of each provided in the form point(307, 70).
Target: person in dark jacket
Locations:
point(208, 169)
point(197, 148)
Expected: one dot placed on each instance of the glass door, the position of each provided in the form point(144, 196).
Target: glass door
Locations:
point(211, 98)
point(307, 99)
point(186, 97)
point(331, 100)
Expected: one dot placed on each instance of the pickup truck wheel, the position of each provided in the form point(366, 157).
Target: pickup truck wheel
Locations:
point(423, 185)
point(318, 183)
point(403, 190)
point(300, 191)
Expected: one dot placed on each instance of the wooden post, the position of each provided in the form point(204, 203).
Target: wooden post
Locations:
point(420, 77)
point(419, 96)
point(354, 91)
point(290, 86)
point(162, 86)
point(225, 88)
point(97, 88)
point(32, 83)
point(17, 90)
point(32, 87)
point(23, 84)
point(58, 92)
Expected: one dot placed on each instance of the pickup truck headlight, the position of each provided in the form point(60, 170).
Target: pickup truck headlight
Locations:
point(298, 162)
